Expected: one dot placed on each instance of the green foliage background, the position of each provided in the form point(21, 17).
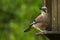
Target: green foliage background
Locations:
point(15, 17)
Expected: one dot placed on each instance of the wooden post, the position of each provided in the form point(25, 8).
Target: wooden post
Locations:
point(54, 15)
point(58, 14)
point(49, 8)
point(44, 2)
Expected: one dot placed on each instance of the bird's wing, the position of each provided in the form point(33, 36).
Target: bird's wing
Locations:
point(43, 20)
point(40, 17)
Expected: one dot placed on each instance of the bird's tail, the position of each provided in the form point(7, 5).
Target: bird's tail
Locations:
point(28, 29)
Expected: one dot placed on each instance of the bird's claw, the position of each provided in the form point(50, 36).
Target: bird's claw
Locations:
point(43, 32)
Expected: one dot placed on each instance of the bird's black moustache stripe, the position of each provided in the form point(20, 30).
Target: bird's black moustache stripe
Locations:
point(44, 11)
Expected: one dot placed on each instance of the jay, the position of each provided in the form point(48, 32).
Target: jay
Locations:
point(40, 21)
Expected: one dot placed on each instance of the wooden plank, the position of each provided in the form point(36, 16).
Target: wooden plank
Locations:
point(58, 15)
point(54, 15)
point(49, 8)
point(48, 32)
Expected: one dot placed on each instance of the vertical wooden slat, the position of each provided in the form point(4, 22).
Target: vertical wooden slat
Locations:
point(54, 15)
point(49, 8)
point(44, 2)
point(59, 15)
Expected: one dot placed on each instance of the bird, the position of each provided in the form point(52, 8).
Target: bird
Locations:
point(40, 21)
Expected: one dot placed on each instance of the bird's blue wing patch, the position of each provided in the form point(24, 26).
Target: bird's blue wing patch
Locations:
point(36, 21)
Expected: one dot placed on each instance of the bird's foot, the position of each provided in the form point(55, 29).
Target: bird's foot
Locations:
point(42, 32)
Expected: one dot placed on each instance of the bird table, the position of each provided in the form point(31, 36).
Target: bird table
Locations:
point(53, 7)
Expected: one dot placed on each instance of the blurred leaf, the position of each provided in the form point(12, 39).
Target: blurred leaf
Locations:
point(15, 16)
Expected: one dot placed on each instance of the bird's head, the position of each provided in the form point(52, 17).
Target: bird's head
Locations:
point(44, 9)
